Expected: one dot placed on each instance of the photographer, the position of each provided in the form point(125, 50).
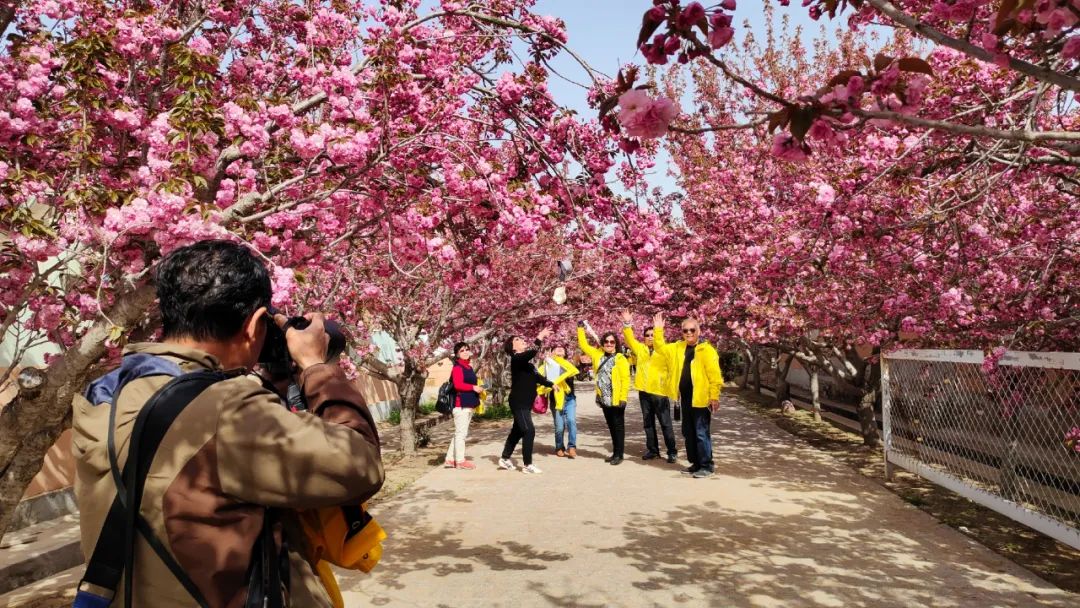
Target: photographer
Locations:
point(235, 465)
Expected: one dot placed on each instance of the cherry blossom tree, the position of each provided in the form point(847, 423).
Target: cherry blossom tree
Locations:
point(843, 197)
point(312, 131)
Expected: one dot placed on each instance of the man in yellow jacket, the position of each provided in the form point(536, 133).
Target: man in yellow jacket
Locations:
point(692, 369)
point(651, 386)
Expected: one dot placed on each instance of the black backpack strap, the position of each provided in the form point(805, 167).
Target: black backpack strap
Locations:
point(111, 559)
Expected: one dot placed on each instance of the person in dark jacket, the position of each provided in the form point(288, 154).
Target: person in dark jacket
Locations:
point(523, 380)
point(466, 398)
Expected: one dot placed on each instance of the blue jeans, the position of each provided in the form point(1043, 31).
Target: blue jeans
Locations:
point(697, 431)
point(566, 420)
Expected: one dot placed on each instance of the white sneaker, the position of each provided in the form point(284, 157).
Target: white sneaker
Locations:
point(505, 463)
point(532, 468)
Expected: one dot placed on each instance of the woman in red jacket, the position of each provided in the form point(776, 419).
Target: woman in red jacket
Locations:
point(466, 398)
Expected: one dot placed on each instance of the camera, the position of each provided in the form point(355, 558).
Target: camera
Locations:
point(278, 363)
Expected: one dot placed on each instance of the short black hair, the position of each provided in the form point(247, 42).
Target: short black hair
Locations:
point(508, 345)
point(649, 329)
point(458, 346)
point(207, 290)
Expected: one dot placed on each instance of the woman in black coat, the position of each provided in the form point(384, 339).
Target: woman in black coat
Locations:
point(523, 380)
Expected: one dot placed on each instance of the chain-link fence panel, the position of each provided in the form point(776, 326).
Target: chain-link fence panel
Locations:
point(1004, 434)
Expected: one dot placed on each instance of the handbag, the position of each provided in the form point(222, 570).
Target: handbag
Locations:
point(540, 405)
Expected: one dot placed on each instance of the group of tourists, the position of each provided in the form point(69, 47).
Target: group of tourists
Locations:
point(682, 377)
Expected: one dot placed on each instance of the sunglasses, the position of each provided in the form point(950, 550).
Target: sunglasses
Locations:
point(648, 335)
point(689, 330)
point(607, 342)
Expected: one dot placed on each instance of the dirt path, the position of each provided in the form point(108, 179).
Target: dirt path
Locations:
point(781, 524)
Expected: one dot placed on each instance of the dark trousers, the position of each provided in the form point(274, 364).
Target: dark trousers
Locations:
point(655, 407)
point(697, 432)
point(524, 431)
point(616, 424)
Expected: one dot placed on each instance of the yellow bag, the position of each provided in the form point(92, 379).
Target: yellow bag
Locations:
point(483, 397)
point(347, 537)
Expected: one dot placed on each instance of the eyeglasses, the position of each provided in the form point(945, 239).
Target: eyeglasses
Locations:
point(609, 342)
point(648, 335)
point(689, 330)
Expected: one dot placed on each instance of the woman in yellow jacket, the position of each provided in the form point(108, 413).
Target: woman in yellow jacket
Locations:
point(612, 372)
point(562, 400)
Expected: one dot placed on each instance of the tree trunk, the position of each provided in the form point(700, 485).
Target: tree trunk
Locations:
point(757, 372)
point(815, 394)
point(410, 387)
point(783, 388)
point(745, 380)
point(867, 415)
point(31, 423)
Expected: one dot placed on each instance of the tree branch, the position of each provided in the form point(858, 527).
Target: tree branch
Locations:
point(1028, 69)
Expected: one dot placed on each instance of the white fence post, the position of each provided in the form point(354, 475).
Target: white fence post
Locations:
point(886, 418)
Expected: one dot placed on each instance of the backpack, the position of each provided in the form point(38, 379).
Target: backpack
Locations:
point(444, 404)
point(114, 553)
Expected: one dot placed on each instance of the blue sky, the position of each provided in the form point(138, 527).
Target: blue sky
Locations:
point(603, 33)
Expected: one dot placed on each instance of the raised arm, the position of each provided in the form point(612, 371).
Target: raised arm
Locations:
point(628, 335)
point(658, 332)
point(282, 459)
point(583, 344)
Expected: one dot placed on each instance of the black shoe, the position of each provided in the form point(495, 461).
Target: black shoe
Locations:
point(609, 458)
point(616, 460)
point(671, 459)
point(649, 455)
point(690, 470)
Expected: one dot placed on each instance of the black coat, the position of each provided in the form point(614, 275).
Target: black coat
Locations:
point(523, 380)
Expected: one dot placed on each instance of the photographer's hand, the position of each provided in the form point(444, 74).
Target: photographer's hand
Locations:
point(306, 346)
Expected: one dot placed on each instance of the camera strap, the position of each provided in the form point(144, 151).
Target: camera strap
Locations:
point(111, 559)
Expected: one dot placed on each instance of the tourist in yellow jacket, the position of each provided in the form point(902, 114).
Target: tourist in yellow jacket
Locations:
point(612, 372)
point(692, 369)
point(562, 400)
point(650, 383)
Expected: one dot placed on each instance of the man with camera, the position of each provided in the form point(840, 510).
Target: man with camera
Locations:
point(222, 469)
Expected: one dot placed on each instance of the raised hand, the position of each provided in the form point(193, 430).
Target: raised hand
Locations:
point(658, 319)
point(627, 316)
point(544, 333)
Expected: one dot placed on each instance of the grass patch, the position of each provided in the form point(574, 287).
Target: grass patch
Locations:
point(427, 407)
point(496, 411)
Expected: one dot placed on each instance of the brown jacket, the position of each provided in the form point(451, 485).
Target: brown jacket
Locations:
point(233, 450)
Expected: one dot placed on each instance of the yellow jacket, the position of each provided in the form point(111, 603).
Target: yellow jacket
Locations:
point(620, 376)
point(704, 370)
point(561, 388)
point(649, 377)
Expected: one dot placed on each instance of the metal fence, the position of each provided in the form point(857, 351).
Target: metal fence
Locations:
point(1006, 436)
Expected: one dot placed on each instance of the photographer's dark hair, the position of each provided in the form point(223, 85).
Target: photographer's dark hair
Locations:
point(612, 335)
point(508, 345)
point(208, 289)
point(458, 346)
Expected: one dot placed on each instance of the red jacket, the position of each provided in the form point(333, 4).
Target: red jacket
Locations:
point(464, 379)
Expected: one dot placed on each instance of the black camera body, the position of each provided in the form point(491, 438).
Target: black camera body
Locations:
point(278, 363)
